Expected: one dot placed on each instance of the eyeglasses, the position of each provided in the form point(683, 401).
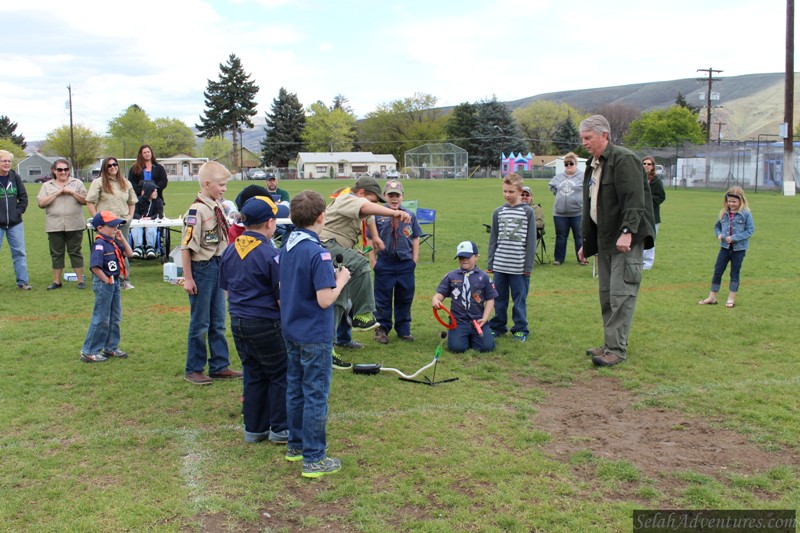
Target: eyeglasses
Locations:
point(648, 163)
point(113, 165)
point(62, 169)
point(569, 164)
point(5, 161)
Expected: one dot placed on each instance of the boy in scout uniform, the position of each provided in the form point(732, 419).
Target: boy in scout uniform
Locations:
point(205, 237)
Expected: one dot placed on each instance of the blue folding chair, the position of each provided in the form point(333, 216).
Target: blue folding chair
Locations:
point(425, 217)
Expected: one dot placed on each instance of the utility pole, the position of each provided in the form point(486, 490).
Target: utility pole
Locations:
point(72, 135)
point(788, 118)
point(719, 131)
point(711, 79)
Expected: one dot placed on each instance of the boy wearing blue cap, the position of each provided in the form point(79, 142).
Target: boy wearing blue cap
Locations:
point(107, 263)
point(249, 272)
point(472, 295)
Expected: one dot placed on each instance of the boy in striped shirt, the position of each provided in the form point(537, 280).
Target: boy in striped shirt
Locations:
point(512, 248)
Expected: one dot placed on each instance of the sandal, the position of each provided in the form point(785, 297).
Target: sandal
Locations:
point(707, 302)
point(730, 305)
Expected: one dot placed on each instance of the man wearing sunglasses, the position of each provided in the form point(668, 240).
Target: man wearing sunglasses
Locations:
point(617, 226)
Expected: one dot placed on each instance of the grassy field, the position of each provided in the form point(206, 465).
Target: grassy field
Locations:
point(129, 445)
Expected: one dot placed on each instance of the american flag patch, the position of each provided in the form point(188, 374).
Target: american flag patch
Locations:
point(325, 256)
point(191, 221)
point(98, 246)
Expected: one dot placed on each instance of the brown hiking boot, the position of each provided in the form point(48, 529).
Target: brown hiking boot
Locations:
point(596, 351)
point(380, 336)
point(607, 359)
point(197, 378)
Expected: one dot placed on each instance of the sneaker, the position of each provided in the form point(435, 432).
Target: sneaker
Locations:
point(364, 322)
point(607, 359)
point(596, 352)
point(127, 285)
point(92, 358)
point(380, 336)
point(151, 254)
point(556, 263)
point(137, 253)
point(53, 286)
point(281, 437)
point(198, 378)
point(329, 465)
point(116, 353)
point(293, 454)
point(226, 374)
point(24, 286)
point(519, 336)
point(351, 345)
point(338, 363)
point(407, 338)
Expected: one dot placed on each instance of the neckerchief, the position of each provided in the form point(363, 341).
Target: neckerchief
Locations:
point(120, 260)
point(222, 222)
point(245, 244)
point(466, 296)
point(296, 237)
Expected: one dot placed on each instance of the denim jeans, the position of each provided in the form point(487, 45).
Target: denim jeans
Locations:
point(563, 225)
point(726, 255)
point(394, 280)
point(207, 320)
point(104, 332)
point(142, 235)
point(263, 354)
point(308, 382)
point(16, 240)
point(518, 285)
point(465, 337)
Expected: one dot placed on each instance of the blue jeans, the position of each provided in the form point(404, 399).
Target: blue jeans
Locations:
point(207, 319)
point(343, 332)
point(263, 354)
point(394, 280)
point(725, 256)
point(563, 225)
point(142, 235)
point(518, 285)
point(104, 332)
point(16, 240)
point(465, 337)
point(308, 382)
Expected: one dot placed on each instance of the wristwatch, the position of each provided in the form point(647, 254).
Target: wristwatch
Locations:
point(625, 231)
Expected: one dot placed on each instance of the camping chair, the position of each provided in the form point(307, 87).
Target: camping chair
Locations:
point(424, 217)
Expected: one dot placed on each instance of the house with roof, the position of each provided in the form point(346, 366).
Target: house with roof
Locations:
point(35, 166)
point(182, 167)
point(343, 164)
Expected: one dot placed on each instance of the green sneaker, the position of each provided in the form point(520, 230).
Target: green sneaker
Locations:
point(338, 363)
point(520, 337)
point(293, 454)
point(364, 322)
point(329, 465)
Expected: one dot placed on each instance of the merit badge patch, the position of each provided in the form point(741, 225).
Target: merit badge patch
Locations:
point(188, 238)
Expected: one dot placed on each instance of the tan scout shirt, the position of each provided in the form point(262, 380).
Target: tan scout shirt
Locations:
point(64, 213)
point(118, 201)
point(201, 234)
point(343, 220)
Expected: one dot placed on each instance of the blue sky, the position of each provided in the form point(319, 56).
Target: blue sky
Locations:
point(160, 54)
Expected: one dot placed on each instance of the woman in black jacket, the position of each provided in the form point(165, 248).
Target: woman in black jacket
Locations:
point(147, 168)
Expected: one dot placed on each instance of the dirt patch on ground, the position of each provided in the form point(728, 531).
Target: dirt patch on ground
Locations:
point(598, 415)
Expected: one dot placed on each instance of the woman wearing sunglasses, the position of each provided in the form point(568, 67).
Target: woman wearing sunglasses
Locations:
point(62, 199)
point(567, 208)
point(112, 192)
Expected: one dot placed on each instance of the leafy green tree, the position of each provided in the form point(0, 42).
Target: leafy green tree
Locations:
point(230, 104)
point(7, 144)
point(495, 134)
point(402, 124)
point(567, 138)
point(88, 145)
point(665, 127)
point(128, 131)
point(539, 121)
point(215, 147)
point(329, 130)
point(284, 130)
point(7, 129)
point(460, 126)
point(170, 136)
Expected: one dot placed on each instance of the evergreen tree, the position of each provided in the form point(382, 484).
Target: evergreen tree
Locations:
point(7, 129)
point(495, 134)
point(680, 101)
point(567, 138)
point(284, 129)
point(461, 124)
point(230, 104)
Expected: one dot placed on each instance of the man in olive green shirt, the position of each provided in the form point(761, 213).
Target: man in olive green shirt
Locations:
point(617, 227)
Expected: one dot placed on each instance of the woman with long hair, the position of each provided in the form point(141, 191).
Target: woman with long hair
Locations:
point(658, 195)
point(112, 192)
point(146, 168)
point(63, 199)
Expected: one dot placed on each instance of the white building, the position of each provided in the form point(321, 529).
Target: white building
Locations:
point(343, 164)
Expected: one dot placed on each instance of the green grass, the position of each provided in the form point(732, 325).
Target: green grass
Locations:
point(128, 445)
